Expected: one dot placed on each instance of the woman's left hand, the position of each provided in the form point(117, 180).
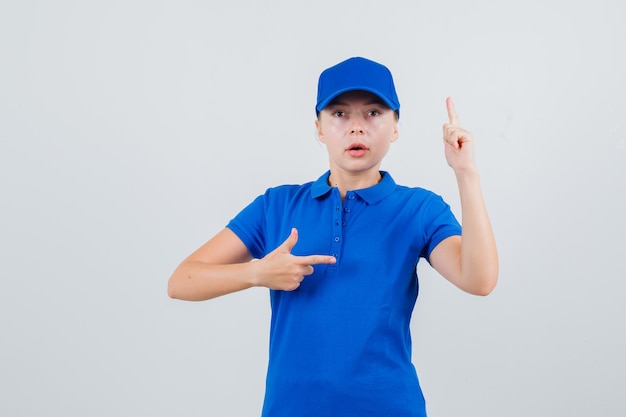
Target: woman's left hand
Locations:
point(458, 142)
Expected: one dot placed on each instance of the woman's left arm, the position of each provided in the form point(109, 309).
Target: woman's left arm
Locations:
point(469, 261)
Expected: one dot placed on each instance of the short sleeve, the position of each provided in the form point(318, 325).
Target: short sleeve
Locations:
point(439, 223)
point(250, 226)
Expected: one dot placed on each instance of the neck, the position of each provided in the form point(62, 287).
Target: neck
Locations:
point(348, 181)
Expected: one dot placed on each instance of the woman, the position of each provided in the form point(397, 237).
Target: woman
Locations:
point(339, 255)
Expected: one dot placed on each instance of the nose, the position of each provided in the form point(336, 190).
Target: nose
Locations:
point(357, 126)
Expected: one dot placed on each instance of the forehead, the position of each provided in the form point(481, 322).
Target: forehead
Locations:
point(356, 97)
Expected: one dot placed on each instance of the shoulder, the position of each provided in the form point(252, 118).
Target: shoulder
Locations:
point(414, 200)
point(285, 196)
point(287, 190)
point(315, 188)
point(414, 191)
point(415, 195)
point(388, 187)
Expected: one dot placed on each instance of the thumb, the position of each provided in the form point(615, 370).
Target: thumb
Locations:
point(291, 241)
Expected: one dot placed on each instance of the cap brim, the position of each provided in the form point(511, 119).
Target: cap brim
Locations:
point(322, 104)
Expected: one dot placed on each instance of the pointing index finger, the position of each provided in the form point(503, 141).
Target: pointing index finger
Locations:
point(454, 119)
point(318, 259)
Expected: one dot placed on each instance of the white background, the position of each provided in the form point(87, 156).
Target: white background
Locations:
point(132, 131)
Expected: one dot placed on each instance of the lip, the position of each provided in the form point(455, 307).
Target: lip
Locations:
point(357, 149)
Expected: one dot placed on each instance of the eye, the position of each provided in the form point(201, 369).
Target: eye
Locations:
point(339, 113)
point(373, 113)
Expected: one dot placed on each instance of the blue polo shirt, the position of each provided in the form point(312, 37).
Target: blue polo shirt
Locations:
point(340, 344)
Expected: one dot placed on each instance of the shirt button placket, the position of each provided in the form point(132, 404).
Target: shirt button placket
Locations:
point(336, 240)
point(347, 209)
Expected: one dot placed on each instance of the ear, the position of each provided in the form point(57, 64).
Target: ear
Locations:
point(396, 132)
point(320, 134)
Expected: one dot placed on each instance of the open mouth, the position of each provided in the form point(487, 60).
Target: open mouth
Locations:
point(357, 149)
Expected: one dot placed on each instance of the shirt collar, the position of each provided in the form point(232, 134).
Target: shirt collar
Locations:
point(371, 195)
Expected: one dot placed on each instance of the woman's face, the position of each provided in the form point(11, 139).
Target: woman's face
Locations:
point(357, 128)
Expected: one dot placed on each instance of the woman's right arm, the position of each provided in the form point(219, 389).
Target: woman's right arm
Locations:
point(219, 267)
point(222, 266)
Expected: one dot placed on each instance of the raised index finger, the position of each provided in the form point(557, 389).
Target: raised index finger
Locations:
point(454, 119)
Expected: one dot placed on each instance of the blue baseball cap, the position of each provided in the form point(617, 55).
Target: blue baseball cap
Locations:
point(356, 74)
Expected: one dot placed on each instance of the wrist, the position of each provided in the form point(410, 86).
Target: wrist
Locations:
point(467, 174)
point(251, 273)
